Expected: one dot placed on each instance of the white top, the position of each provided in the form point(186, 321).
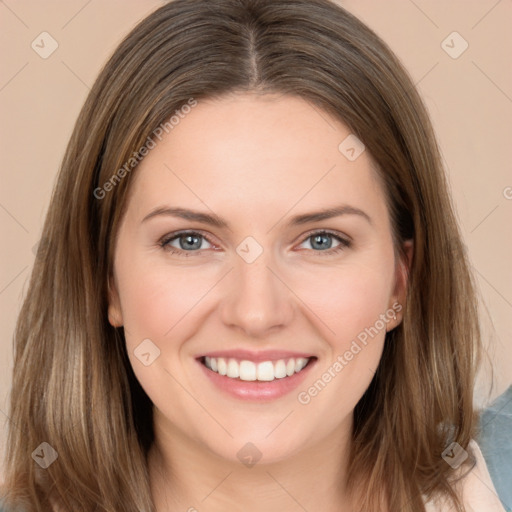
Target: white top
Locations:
point(478, 492)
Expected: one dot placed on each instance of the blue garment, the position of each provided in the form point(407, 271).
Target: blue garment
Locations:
point(495, 442)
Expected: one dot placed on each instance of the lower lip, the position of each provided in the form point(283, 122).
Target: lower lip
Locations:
point(257, 391)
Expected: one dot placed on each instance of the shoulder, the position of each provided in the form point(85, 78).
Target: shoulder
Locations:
point(494, 441)
point(475, 487)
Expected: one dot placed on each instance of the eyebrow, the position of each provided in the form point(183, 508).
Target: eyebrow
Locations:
point(214, 220)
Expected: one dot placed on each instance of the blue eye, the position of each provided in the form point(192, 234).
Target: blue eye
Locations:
point(321, 242)
point(190, 242)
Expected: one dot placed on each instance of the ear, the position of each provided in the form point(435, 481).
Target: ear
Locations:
point(115, 315)
point(397, 300)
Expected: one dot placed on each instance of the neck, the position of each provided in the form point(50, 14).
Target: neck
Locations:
point(185, 475)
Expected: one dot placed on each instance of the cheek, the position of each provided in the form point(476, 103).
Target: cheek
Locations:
point(348, 299)
point(159, 303)
point(155, 301)
point(349, 304)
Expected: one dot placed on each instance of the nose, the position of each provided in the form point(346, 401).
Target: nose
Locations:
point(257, 302)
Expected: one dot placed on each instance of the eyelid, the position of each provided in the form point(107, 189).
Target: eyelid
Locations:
point(332, 232)
point(169, 237)
point(345, 240)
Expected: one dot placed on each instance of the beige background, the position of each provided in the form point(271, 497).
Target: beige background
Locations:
point(469, 98)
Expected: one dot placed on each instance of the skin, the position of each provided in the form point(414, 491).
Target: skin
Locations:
point(256, 161)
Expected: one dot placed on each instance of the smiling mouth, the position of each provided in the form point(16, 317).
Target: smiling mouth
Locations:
point(264, 371)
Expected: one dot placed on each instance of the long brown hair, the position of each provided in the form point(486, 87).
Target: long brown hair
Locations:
point(73, 386)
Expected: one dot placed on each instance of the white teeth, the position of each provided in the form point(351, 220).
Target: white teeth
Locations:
point(279, 369)
point(250, 371)
point(266, 371)
point(247, 370)
point(233, 369)
point(222, 366)
point(300, 362)
point(290, 367)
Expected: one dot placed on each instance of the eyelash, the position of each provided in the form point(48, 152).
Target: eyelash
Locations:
point(163, 242)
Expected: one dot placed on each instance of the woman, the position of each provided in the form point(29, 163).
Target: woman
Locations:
point(251, 292)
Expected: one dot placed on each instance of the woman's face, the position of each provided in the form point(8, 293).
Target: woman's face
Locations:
point(258, 283)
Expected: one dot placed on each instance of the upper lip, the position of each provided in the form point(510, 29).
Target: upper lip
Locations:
point(256, 356)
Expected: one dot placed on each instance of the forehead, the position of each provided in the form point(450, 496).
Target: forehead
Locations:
point(256, 153)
